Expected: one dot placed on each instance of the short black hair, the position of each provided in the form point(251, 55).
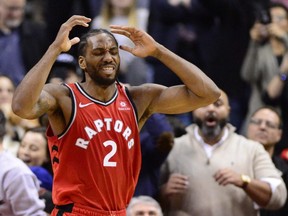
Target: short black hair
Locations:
point(83, 40)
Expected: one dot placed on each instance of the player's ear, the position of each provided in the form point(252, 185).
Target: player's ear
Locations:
point(82, 62)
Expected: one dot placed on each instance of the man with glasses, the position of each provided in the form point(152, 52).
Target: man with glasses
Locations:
point(265, 126)
point(265, 54)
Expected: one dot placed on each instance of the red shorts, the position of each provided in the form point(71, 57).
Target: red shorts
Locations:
point(76, 210)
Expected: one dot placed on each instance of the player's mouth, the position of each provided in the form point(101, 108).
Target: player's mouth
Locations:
point(108, 69)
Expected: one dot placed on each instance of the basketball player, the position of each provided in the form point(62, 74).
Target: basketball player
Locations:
point(94, 125)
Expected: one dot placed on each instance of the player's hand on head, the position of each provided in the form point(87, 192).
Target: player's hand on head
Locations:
point(144, 44)
point(62, 41)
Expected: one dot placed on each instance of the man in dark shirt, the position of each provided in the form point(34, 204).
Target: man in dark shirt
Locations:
point(22, 41)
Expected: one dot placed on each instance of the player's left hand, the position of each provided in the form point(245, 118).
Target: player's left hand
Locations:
point(145, 45)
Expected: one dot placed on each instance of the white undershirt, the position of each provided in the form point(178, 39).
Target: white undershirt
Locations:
point(207, 147)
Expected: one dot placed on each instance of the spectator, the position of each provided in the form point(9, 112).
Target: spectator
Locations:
point(14, 124)
point(144, 205)
point(11, 138)
point(265, 126)
point(268, 44)
point(65, 69)
point(33, 151)
point(214, 171)
point(22, 41)
point(276, 94)
point(19, 186)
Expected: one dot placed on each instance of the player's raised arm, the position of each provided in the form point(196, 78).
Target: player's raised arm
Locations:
point(31, 99)
point(199, 89)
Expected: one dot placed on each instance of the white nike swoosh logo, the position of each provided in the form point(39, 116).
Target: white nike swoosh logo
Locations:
point(84, 105)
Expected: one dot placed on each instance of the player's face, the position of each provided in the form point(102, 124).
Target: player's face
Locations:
point(101, 61)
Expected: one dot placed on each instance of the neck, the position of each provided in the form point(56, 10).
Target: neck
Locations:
point(212, 141)
point(270, 150)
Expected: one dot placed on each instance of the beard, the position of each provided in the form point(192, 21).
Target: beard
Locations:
point(211, 132)
point(104, 81)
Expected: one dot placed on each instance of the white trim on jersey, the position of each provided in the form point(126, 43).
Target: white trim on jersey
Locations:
point(72, 114)
point(95, 100)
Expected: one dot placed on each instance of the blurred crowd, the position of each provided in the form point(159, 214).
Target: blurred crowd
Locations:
point(241, 45)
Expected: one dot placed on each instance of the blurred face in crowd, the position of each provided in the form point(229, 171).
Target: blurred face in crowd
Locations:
point(70, 77)
point(15, 10)
point(33, 149)
point(212, 118)
point(6, 90)
point(124, 4)
point(279, 17)
point(264, 127)
point(144, 209)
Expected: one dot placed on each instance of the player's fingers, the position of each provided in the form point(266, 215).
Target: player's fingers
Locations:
point(126, 48)
point(78, 20)
point(75, 40)
point(123, 28)
point(121, 32)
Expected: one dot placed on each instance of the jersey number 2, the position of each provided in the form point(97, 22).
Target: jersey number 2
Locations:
point(107, 162)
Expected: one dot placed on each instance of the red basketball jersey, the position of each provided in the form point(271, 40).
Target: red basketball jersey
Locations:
point(97, 159)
